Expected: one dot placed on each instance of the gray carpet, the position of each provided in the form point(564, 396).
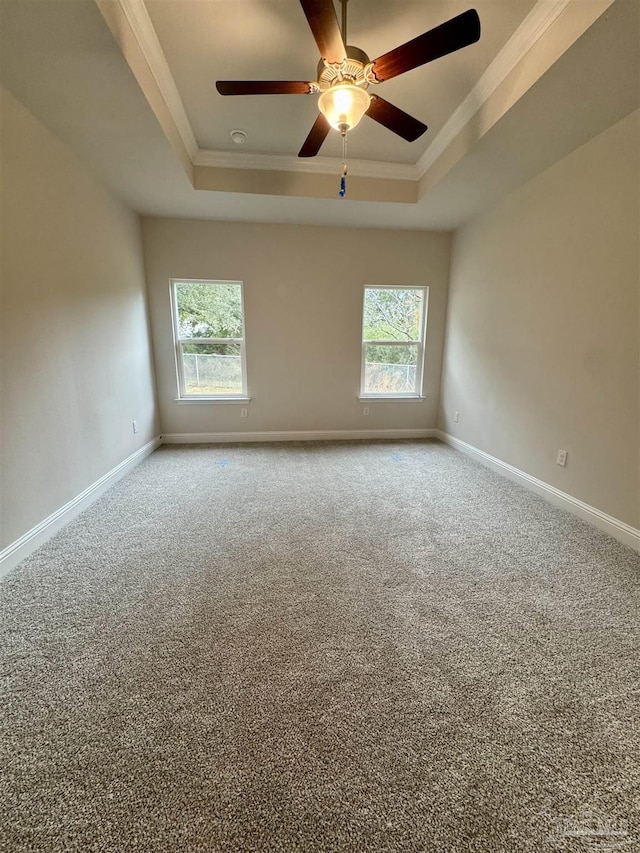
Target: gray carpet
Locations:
point(321, 647)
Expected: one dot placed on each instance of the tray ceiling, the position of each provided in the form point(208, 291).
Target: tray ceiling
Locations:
point(129, 85)
point(262, 39)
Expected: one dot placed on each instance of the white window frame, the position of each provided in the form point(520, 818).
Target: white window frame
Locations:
point(421, 344)
point(179, 342)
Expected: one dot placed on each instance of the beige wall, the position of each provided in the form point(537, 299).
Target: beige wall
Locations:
point(303, 289)
point(543, 326)
point(75, 357)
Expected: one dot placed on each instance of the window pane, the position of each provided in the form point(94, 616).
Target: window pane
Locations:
point(212, 368)
point(392, 314)
point(209, 310)
point(390, 369)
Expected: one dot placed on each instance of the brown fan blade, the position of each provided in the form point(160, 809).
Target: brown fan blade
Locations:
point(321, 17)
point(459, 32)
point(262, 87)
point(317, 136)
point(395, 119)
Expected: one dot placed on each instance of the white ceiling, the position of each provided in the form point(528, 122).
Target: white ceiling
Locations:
point(569, 70)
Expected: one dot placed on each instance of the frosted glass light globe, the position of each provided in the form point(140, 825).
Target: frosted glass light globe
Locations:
point(344, 105)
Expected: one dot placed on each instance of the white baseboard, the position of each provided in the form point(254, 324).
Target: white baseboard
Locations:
point(618, 529)
point(38, 535)
point(294, 435)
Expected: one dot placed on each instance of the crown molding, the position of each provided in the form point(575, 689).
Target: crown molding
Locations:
point(314, 166)
point(145, 35)
point(533, 27)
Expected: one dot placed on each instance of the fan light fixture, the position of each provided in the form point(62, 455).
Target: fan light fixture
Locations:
point(343, 105)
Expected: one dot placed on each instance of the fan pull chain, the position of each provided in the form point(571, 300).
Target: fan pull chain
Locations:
point(343, 179)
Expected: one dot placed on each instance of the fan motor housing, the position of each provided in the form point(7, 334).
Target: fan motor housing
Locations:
point(351, 70)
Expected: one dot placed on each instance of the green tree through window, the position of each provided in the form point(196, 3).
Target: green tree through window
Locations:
point(393, 340)
point(209, 310)
point(209, 332)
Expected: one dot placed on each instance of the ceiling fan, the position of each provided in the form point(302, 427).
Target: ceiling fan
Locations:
point(345, 73)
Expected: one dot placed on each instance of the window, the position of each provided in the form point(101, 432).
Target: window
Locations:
point(393, 338)
point(208, 326)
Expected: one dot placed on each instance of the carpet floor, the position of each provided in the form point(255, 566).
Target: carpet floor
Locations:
point(321, 647)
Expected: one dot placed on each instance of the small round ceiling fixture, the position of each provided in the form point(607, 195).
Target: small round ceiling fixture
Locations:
point(238, 136)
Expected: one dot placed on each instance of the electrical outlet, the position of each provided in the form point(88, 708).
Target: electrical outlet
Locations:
point(244, 413)
point(365, 411)
point(456, 417)
point(134, 424)
point(562, 458)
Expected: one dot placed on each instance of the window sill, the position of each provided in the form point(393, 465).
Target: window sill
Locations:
point(203, 399)
point(410, 398)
